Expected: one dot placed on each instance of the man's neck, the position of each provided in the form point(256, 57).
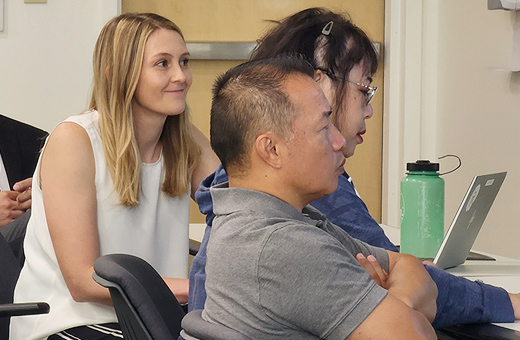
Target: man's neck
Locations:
point(269, 186)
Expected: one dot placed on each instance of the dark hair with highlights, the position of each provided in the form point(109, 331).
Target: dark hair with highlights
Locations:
point(335, 52)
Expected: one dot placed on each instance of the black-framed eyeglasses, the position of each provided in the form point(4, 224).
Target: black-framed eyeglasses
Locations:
point(369, 91)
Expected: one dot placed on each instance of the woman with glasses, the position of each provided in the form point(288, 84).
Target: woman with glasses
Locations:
point(345, 60)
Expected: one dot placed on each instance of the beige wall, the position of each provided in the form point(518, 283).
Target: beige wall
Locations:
point(447, 99)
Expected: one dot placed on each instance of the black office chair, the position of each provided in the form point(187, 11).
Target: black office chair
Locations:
point(9, 272)
point(196, 328)
point(145, 307)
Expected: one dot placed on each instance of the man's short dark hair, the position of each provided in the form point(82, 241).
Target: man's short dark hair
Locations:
point(249, 100)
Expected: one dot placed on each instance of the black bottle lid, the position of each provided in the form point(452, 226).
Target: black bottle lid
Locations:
point(422, 165)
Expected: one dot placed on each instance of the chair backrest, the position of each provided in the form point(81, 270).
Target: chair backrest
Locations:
point(9, 271)
point(145, 306)
point(196, 328)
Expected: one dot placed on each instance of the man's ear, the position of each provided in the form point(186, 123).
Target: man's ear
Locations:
point(318, 75)
point(326, 84)
point(267, 148)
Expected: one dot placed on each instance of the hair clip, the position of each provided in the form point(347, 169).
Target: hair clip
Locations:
point(326, 30)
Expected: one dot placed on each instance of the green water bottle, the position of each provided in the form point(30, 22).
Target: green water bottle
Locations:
point(422, 209)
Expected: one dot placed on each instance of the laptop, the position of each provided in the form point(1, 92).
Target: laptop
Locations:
point(470, 216)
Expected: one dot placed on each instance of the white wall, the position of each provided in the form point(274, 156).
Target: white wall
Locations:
point(45, 57)
point(447, 99)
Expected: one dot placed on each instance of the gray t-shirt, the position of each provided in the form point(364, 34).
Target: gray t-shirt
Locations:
point(274, 272)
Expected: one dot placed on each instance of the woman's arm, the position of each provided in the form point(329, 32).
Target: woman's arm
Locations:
point(208, 160)
point(180, 288)
point(69, 196)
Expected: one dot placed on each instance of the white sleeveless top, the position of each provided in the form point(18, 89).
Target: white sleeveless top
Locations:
point(156, 230)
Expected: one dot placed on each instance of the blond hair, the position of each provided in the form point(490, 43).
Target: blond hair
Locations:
point(117, 61)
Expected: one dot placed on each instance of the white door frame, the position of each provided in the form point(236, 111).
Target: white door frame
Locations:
point(410, 94)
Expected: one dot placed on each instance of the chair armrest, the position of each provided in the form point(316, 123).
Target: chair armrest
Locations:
point(17, 309)
point(196, 327)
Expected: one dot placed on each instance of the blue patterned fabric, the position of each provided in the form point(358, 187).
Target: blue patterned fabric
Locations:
point(459, 300)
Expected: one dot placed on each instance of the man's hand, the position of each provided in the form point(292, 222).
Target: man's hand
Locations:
point(429, 263)
point(9, 207)
point(14, 203)
point(371, 265)
point(24, 190)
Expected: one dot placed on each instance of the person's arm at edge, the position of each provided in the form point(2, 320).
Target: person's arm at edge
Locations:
point(515, 301)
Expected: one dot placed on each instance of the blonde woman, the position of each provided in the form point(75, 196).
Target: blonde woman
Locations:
point(116, 179)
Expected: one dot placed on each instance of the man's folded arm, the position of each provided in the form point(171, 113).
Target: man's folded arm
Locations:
point(393, 319)
point(410, 282)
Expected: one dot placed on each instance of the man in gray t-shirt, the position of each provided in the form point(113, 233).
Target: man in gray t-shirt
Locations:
point(285, 267)
point(277, 268)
